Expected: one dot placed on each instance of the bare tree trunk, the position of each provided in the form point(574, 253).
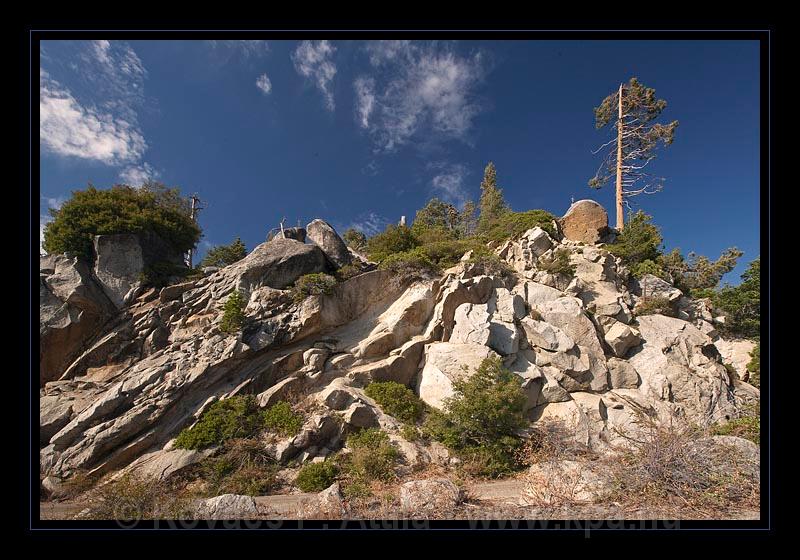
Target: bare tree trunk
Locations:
point(620, 213)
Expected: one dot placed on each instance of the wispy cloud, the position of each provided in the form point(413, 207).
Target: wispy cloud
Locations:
point(448, 183)
point(138, 175)
point(418, 88)
point(246, 48)
point(264, 84)
point(100, 121)
point(68, 128)
point(314, 60)
point(369, 223)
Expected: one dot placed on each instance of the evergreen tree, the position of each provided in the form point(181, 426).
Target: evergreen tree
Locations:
point(493, 206)
point(632, 109)
point(224, 255)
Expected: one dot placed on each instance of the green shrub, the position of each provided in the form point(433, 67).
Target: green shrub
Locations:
point(412, 263)
point(348, 271)
point(315, 477)
point(514, 224)
point(481, 420)
point(372, 456)
point(656, 305)
point(235, 417)
point(243, 466)
point(490, 263)
point(557, 263)
point(282, 420)
point(233, 313)
point(120, 209)
point(160, 274)
point(754, 366)
point(747, 426)
point(396, 400)
point(741, 305)
point(395, 239)
point(354, 239)
point(639, 241)
point(224, 255)
point(312, 285)
point(409, 432)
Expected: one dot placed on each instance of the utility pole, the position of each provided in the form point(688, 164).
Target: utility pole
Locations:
point(620, 217)
point(196, 207)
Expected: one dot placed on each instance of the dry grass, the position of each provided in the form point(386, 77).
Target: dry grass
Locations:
point(673, 466)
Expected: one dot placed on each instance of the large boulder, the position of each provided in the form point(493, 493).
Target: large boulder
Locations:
point(736, 353)
point(277, 264)
point(650, 286)
point(120, 259)
point(446, 362)
point(323, 234)
point(680, 364)
point(429, 495)
point(564, 482)
point(72, 309)
point(585, 221)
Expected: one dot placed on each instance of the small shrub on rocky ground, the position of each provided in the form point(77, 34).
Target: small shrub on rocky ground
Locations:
point(413, 263)
point(396, 400)
point(409, 432)
point(667, 465)
point(395, 239)
point(233, 313)
point(747, 425)
point(243, 466)
point(348, 271)
point(754, 366)
point(78, 483)
point(316, 477)
point(490, 263)
point(514, 224)
point(656, 305)
point(132, 498)
point(235, 417)
point(557, 263)
point(480, 423)
point(312, 285)
point(371, 457)
point(282, 420)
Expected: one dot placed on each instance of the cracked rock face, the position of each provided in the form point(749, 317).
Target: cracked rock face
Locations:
point(124, 382)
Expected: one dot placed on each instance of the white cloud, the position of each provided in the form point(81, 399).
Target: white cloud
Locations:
point(365, 99)
point(43, 221)
point(96, 118)
point(138, 175)
point(313, 59)
point(448, 184)
point(264, 84)
point(246, 48)
point(68, 128)
point(369, 223)
point(419, 88)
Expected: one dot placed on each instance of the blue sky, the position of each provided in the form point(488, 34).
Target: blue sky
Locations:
point(362, 132)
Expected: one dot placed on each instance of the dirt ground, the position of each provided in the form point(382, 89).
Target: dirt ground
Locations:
point(486, 501)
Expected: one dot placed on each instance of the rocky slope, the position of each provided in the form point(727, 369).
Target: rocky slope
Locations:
point(120, 379)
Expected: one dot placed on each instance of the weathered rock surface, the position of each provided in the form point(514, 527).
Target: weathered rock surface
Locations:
point(227, 506)
point(585, 221)
point(429, 495)
point(323, 234)
point(130, 380)
point(564, 482)
point(679, 364)
point(72, 309)
point(446, 362)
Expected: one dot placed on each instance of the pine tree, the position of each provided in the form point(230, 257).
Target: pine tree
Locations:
point(632, 109)
point(224, 255)
point(492, 203)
